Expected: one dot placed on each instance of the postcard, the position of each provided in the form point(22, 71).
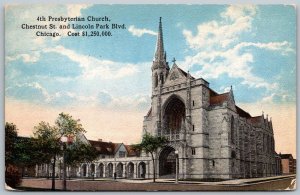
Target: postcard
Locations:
point(150, 97)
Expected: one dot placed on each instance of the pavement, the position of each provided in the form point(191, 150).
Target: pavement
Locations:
point(226, 182)
point(253, 184)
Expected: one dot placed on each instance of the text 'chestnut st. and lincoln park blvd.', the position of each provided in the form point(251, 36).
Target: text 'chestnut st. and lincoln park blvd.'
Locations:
point(90, 26)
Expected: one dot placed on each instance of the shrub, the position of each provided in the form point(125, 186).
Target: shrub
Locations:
point(12, 176)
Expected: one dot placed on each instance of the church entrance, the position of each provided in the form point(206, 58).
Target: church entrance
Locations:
point(167, 162)
point(174, 117)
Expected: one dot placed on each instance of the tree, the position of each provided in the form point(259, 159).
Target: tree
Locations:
point(67, 126)
point(25, 153)
point(150, 144)
point(11, 135)
point(47, 144)
point(80, 152)
point(12, 174)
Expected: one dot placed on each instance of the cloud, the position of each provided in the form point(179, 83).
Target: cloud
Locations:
point(218, 50)
point(213, 34)
point(26, 58)
point(279, 97)
point(93, 67)
point(140, 32)
point(74, 10)
point(284, 47)
point(104, 98)
point(29, 91)
point(139, 102)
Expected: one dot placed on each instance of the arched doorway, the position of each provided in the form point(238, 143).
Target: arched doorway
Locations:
point(84, 170)
point(142, 170)
point(120, 170)
point(72, 171)
point(101, 169)
point(130, 170)
point(167, 162)
point(92, 173)
point(174, 117)
point(109, 170)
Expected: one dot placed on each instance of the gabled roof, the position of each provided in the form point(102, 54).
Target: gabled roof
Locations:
point(255, 119)
point(131, 151)
point(117, 146)
point(285, 156)
point(149, 112)
point(107, 148)
point(219, 98)
point(242, 113)
point(184, 73)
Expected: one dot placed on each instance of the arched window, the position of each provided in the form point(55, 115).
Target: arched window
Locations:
point(162, 78)
point(232, 129)
point(155, 80)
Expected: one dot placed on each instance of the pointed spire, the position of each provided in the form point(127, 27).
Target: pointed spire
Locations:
point(159, 53)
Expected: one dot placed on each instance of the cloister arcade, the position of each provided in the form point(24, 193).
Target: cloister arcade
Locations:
point(122, 169)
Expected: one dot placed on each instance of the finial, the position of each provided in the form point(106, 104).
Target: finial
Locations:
point(159, 19)
point(262, 113)
point(231, 87)
point(174, 60)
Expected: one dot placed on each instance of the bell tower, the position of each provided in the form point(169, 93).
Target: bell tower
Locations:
point(160, 67)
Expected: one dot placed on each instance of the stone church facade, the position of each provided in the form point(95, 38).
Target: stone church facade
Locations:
point(214, 138)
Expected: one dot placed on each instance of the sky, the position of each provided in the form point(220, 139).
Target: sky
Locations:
point(106, 81)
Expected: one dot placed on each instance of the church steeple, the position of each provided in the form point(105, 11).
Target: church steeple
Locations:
point(159, 53)
point(160, 67)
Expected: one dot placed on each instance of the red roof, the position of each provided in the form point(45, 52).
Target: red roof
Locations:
point(286, 156)
point(256, 119)
point(131, 151)
point(242, 113)
point(219, 99)
point(107, 148)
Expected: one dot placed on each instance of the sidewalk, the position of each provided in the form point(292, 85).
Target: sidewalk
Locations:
point(254, 184)
point(227, 182)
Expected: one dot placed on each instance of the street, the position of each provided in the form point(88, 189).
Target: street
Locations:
point(259, 184)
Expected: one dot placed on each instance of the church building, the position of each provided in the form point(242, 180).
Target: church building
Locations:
point(213, 136)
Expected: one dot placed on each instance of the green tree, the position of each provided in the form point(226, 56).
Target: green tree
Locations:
point(49, 144)
point(150, 144)
point(25, 153)
point(12, 173)
point(47, 141)
point(68, 126)
point(11, 135)
point(79, 152)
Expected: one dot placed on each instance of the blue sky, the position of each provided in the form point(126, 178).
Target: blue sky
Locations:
point(252, 48)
